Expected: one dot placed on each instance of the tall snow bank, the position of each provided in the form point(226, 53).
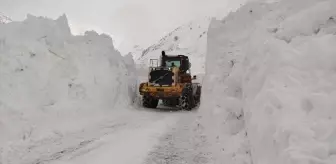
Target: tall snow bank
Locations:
point(47, 75)
point(270, 83)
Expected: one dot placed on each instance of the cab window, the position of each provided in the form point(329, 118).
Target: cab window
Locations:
point(176, 63)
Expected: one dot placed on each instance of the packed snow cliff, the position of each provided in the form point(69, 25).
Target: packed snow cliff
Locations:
point(49, 76)
point(269, 92)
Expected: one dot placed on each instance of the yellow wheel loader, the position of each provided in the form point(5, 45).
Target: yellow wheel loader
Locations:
point(171, 82)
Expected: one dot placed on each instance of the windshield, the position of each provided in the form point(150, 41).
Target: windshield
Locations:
point(177, 63)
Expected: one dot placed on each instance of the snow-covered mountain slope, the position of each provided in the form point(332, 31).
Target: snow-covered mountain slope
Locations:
point(49, 78)
point(189, 39)
point(270, 83)
point(136, 51)
point(4, 18)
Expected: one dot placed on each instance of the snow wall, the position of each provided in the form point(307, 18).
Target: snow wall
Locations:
point(47, 76)
point(269, 92)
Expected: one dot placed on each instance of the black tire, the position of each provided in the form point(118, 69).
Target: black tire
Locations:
point(154, 103)
point(197, 96)
point(186, 101)
point(145, 101)
point(149, 102)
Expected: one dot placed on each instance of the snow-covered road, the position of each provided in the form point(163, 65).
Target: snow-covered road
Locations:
point(129, 139)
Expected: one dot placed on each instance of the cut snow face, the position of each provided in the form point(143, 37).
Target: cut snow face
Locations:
point(189, 40)
point(270, 83)
point(48, 75)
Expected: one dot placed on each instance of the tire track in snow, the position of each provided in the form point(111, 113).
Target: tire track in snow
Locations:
point(129, 145)
point(60, 154)
point(61, 144)
point(105, 130)
point(106, 135)
point(184, 144)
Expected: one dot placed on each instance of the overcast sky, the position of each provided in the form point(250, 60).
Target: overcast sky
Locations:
point(129, 22)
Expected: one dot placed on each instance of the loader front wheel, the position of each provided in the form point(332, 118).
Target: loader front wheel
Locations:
point(185, 103)
point(197, 96)
point(149, 102)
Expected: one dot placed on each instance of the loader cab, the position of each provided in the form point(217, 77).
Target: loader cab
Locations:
point(180, 61)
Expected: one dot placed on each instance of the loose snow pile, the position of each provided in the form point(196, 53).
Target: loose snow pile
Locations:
point(52, 81)
point(270, 83)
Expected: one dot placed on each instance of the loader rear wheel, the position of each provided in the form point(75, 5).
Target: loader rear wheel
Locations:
point(197, 96)
point(186, 101)
point(149, 102)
